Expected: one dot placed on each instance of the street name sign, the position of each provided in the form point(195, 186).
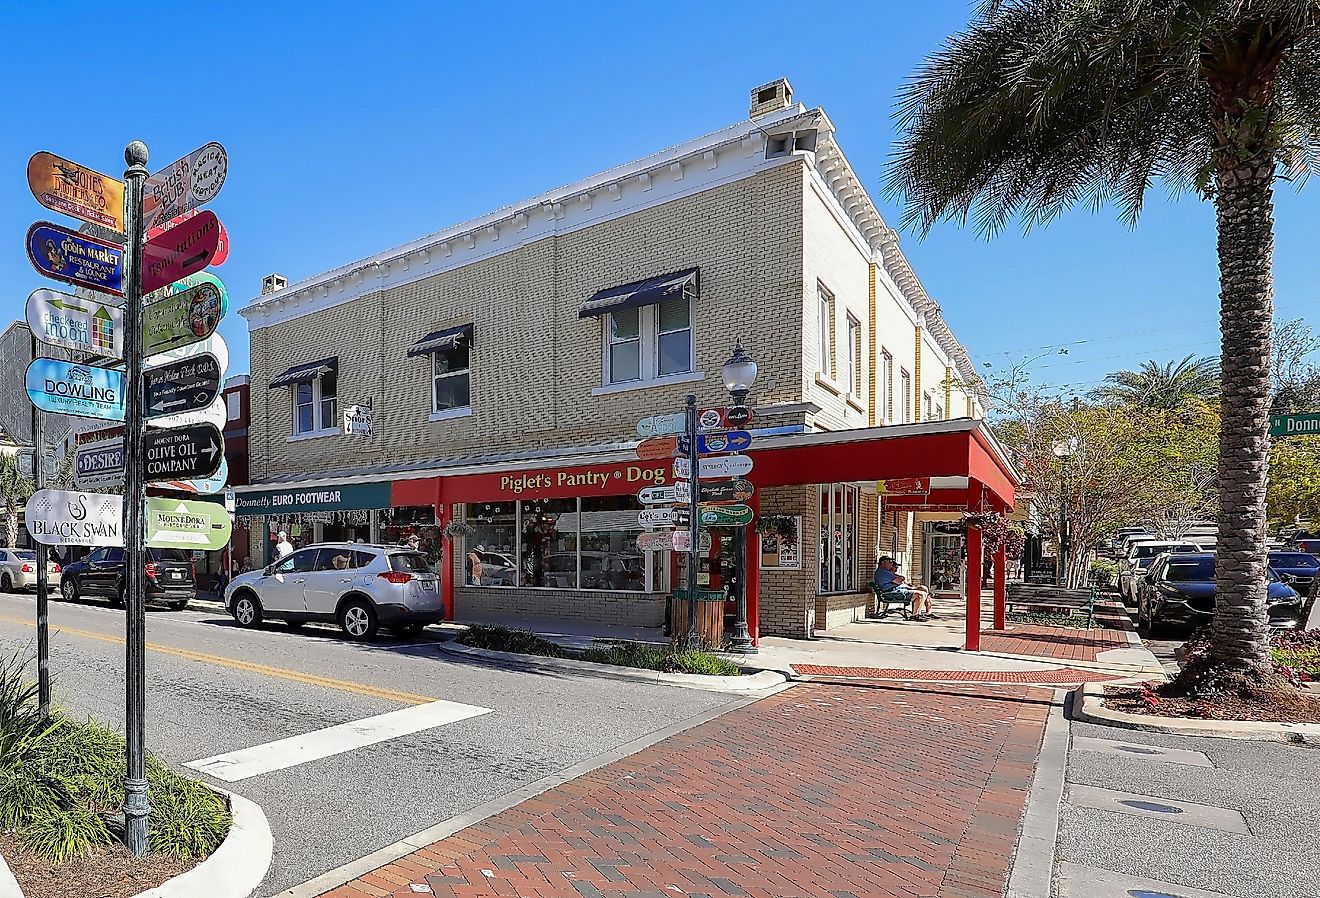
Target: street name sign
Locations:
point(720, 491)
point(181, 386)
point(221, 251)
point(182, 250)
point(188, 453)
point(83, 390)
point(202, 486)
point(58, 319)
point(184, 185)
point(99, 465)
point(1294, 425)
point(715, 466)
point(724, 515)
point(67, 187)
point(186, 524)
point(655, 540)
point(215, 413)
point(68, 518)
point(76, 258)
point(660, 425)
point(657, 447)
point(182, 318)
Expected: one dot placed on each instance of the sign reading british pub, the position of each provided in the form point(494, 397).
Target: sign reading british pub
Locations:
point(184, 185)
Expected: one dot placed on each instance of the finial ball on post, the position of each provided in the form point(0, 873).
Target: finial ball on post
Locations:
point(136, 153)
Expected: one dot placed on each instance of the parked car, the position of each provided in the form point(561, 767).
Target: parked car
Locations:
point(1181, 589)
point(1123, 533)
point(1128, 579)
point(360, 587)
point(171, 577)
point(18, 570)
point(1153, 548)
point(1310, 546)
point(498, 569)
point(1297, 569)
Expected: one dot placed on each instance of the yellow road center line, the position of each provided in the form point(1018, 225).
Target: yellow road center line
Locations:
point(407, 698)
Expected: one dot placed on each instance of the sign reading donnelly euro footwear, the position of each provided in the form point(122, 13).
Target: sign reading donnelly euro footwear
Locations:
point(66, 388)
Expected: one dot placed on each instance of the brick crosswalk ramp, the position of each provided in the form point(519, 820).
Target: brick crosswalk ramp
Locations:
point(820, 791)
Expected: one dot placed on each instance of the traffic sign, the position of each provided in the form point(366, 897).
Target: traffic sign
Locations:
point(181, 319)
point(203, 485)
point(655, 540)
point(185, 524)
point(657, 517)
point(1294, 425)
point(58, 319)
point(76, 258)
point(69, 518)
point(659, 425)
point(83, 390)
point(182, 250)
point(221, 251)
point(714, 466)
point(726, 491)
point(68, 187)
point(657, 447)
point(215, 413)
point(725, 515)
point(184, 185)
point(99, 465)
point(181, 386)
point(658, 495)
point(185, 454)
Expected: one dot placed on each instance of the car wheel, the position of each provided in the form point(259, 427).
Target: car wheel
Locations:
point(358, 619)
point(1154, 626)
point(119, 594)
point(247, 610)
point(6, 583)
point(69, 589)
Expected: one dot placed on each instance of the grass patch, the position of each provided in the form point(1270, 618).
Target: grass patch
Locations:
point(1047, 619)
point(646, 656)
point(1298, 651)
point(60, 779)
point(509, 639)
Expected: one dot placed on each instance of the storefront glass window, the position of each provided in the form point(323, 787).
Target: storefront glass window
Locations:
point(839, 503)
point(610, 557)
point(549, 543)
point(492, 548)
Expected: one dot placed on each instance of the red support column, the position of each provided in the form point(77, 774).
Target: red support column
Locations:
point(446, 514)
point(1001, 579)
point(975, 569)
point(752, 558)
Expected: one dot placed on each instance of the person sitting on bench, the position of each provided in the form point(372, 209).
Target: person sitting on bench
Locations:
point(888, 580)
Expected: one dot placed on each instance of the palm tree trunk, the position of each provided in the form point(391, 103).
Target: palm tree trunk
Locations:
point(1245, 213)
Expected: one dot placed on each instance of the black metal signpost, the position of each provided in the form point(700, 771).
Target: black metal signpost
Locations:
point(43, 554)
point(694, 520)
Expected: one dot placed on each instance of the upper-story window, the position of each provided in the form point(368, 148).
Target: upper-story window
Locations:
point(939, 412)
point(905, 381)
point(927, 406)
point(450, 350)
point(885, 389)
point(648, 328)
point(825, 329)
point(854, 372)
point(315, 395)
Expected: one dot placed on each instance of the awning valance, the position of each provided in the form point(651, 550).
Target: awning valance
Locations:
point(441, 339)
point(306, 372)
point(642, 293)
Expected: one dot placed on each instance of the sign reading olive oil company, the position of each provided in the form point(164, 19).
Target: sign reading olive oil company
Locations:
point(184, 524)
point(68, 518)
point(183, 185)
point(181, 319)
point(70, 188)
point(184, 454)
point(76, 258)
point(58, 319)
point(65, 388)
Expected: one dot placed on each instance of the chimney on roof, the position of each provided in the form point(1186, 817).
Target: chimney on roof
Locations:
point(272, 282)
point(771, 97)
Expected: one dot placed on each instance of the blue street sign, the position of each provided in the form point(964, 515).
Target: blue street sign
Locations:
point(719, 441)
point(76, 258)
point(87, 391)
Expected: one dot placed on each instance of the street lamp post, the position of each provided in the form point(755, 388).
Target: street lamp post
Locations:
point(1063, 450)
point(739, 375)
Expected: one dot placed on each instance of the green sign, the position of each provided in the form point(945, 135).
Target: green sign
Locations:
point(295, 499)
point(703, 595)
point(1294, 425)
point(180, 524)
point(182, 319)
point(725, 515)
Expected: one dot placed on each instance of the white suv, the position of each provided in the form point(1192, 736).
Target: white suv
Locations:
point(357, 586)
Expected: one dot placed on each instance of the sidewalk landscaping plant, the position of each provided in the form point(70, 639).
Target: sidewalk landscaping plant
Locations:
point(646, 656)
point(61, 784)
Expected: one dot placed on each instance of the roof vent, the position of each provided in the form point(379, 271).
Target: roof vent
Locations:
point(771, 97)
point(272, 282)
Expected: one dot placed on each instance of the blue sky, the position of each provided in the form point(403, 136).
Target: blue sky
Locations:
point(354, 127)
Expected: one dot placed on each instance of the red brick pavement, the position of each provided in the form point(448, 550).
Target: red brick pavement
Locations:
point(1052, 642)
point(820, 791)
point(1052, 676)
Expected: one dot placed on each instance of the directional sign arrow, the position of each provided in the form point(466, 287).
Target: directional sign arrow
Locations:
point(184, 385)
point(188, 453)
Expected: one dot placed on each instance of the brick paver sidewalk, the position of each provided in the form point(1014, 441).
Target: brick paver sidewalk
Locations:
point(1054, 676)
point(1058, 643)
point(820, 791)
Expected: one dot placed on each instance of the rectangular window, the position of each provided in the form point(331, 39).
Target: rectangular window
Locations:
point(886, 391)
point(314, 404)
point(825, 327)
point(649, 342)
point(927, 406)
point(905, 383)
point(839, 507)
point(854, 372)
point(233, 406)
point(451, 382)
point(939, 412)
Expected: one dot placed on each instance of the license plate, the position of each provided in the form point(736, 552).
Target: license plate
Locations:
point(177, 575)
point(428, 585)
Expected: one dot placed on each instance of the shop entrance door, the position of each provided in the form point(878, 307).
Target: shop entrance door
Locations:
point(943, 568)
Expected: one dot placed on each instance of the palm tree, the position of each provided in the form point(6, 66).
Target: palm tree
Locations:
point(14, 488)
point(1172, 387)
point(1044, 104)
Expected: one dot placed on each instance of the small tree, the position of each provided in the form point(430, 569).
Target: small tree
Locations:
point(14, 489)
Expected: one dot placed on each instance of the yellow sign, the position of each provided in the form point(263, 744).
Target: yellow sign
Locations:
point(69, 188)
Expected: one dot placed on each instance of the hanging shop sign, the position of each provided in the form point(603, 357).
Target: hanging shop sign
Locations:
point(333, 497)
point(69, 389)
point(658, 517)
point(660, 425)
point(202, 486)
point(657, 447)
point(186, 524)
point(92, 326)
point(721, 491)
point(215, 413)
point(181, 319)
point(184, 185)
point(182, 250)
point(181, 386)
point(715, 466)
point(76, 258)
point(905, 486)
point(221, 251)
point(68, 518)
point(358, 420)
point(99, 465)
point(67, 187)
point(724, 515)
point(655, 540)
point(184, 454)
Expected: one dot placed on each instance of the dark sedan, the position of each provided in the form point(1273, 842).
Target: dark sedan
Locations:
point(1181, 589)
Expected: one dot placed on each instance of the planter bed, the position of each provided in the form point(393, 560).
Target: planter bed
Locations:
point(114, 872)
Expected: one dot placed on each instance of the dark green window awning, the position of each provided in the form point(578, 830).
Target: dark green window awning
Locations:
point(306, 372)
point(441, 339)
point(642, 293)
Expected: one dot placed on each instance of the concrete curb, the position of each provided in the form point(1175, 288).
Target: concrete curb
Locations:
point(765, 679)
point(1033, 865)
point(1087, 705)
point(332, 879)
point(8, 885)
point(1099, 666)
point(236, 868)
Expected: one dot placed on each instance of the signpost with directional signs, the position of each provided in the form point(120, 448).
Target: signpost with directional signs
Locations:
point(87, 391)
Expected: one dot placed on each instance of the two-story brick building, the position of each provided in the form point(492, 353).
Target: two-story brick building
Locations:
point(508, 359)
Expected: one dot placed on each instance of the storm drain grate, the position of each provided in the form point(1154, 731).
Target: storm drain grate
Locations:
point(1151, 806)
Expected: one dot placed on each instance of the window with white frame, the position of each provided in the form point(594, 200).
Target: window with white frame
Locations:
point(314, 404)
point(885, 390)
point(825, 327)
point(905, 383)
point(839, 526)
point(854, 372)
point(451, 380)
point(649, 342)
point(939, 412)
point(927, 406)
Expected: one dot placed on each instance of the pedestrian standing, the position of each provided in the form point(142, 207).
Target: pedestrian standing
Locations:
point(283, 548)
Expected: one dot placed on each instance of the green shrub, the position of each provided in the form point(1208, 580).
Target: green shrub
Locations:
point(65, 833)
point(698, 662)
point(508, 639)
point(187, 819)
point(648, 656)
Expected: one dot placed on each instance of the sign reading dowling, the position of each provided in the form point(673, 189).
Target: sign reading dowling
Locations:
point(68, 389)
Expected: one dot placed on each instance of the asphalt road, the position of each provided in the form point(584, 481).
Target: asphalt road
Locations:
point(213, 688)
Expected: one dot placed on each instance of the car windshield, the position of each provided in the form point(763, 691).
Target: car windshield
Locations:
point(1293, 559)
point(1149, 550)
point(168, 555)
point(25, 556)
point(1200, 570)
point(409, 562)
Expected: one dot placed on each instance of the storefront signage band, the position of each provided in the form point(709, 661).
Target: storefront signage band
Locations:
point(592, 480)
point(335, 497)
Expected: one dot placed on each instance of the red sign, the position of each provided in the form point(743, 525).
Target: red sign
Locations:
point(182, 250)
point(657, 447)
point(723, 418)
point(221, 252)
point(905, 486)
point(556, 483)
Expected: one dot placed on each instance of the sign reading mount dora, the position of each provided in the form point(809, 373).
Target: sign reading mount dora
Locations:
point(185, 524)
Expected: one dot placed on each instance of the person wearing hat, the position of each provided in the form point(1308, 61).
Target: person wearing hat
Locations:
point(474, 565)
point(283, 548)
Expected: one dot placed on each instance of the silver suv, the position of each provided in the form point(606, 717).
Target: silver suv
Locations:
point(359, 587)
